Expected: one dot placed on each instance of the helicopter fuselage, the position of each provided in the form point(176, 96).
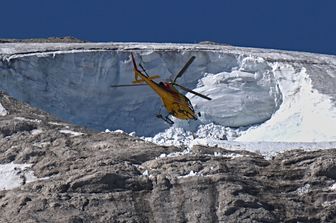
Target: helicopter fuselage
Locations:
point(176, 103)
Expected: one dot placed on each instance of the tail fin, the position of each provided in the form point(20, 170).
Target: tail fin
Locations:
point(138, 75)
point(137, 72)
point(134, 64)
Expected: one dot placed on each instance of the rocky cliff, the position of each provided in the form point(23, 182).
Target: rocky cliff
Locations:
point(85, 176)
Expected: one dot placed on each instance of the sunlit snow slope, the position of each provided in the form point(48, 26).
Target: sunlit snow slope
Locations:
point(258, 94)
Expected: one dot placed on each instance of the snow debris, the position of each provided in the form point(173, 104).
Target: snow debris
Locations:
point(191, 174)
point(3, 111)
point(333, 187)
point(57, 123)
point(115, 131)
point(303, 190)
point(36, 131)
point(27, 119)
point(66, 131)
point(14, 175)
point(228, 155)
point(175, 154)
point(329, 203)
point(132, 134)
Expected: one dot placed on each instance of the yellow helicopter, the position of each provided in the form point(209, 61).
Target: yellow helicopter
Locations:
point(176, 103)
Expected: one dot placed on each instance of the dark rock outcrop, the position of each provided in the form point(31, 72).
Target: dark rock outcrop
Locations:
point(87, 176)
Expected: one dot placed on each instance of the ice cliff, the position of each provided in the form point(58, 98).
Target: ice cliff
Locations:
point(276, 95)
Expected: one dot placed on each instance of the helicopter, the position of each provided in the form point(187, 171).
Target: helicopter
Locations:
point(176, 103)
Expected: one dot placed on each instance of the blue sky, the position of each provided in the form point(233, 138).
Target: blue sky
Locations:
point(302, 25)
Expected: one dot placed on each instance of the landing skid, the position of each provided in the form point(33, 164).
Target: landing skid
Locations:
point(166, 119)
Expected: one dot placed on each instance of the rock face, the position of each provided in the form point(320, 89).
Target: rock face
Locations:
point(66, 39)
point(87, 176)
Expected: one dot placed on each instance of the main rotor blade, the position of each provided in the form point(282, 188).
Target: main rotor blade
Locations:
point(193, 92)
point(184, 68)
point(127, 85)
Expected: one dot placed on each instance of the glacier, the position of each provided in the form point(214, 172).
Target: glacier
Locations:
point(259, 95)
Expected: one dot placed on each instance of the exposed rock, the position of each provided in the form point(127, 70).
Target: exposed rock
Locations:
point(66, 39)
point(207, 42)
point(114, 177)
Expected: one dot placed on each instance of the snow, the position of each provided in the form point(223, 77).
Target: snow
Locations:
point(303, 190)
point(36, 131)
point(3, 111)
point(190, 174)
point(333, 187)
point(58, 123)
point(229, 155)
point(263, 100)
point(115, 131)
point(328, 203)
point(67, 131)
point(14, 175)
point(175, 154)
point(27, 119)
point(304, 116)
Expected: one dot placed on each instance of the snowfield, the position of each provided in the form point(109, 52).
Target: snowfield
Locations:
point(263, 100)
